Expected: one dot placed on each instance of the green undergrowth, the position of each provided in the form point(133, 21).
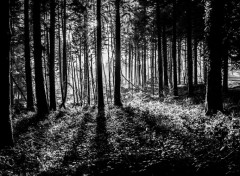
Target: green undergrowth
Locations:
point(144, 137)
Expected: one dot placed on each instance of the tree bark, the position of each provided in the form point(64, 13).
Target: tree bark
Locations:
point(174, 49)
point(52, 56)
point(99, 59)
point(195, 61)
point(6, 133)
point(214, 37)
point(189, 49)
point(117, 88)
point(28, 70)
point(165, 62)
point(64, 58)
point(42, 105)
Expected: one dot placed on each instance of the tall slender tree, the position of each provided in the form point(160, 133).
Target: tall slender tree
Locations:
point(174, 49)
point(189, 48)
point(52, 56)
point(160, 70)
point(117, 88)
point(64, 81)
point(164, 47)
point(42, 105)
point(99, 58)
point(214, 18)
point(6, 135)
point(28, 70)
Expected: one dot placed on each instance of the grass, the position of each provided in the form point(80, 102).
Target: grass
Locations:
point(144, 137)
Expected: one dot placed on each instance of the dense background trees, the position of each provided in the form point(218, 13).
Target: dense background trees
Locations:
point(84, 52)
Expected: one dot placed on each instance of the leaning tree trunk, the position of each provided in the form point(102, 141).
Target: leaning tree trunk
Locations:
point(214, 37)
point(6, 135)
point(42, 105)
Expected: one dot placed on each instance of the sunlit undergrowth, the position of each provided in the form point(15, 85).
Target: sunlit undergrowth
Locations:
point(145, 137)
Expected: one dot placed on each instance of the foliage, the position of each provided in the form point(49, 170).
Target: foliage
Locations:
point(144, 137)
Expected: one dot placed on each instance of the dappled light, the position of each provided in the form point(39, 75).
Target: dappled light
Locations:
point(120, 88)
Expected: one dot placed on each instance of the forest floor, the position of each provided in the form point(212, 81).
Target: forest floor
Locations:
point(147, 137)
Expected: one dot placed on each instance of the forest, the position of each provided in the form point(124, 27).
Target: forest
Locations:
point(120, 88)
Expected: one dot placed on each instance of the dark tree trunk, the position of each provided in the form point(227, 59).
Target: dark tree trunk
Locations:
point(86, 60)
point(28, 70)
point(52, 56)
point(42, 105)
point(165, 62)
point(117, 88)
point(174, 49)
point(195, 61)
point(6, 135)
point(179, 60)
point(160, 70)
point(144, 63)
point(214, 38)
point(129, 63)
point(99, 59)
point(64, 59)
point(189, 49)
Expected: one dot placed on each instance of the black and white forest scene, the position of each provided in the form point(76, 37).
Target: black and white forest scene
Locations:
point(120, 88)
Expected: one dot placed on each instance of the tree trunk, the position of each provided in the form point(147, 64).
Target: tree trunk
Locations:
point(174, 49)
point(28, 70)
point(99, 59)
point(195, 61)
point(6, 133)
point(165, 62)
point(42, 105)
point(179, 60)
point(52, 57)
point(117, 87)
point(86, 60)
point(214, 37)
point(189, 49)
point(64, 59)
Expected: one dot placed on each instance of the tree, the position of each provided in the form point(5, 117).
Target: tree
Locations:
point(52, 56)
point(165, 63)
point(28, 70)
point(117, 88)
point(214, 39)
point(174, 49)
point(160, 67)
point(6, 135)
point(42, 105)
point(86, 59)
point(99, 59)
point(64, 73)
point(189, 48)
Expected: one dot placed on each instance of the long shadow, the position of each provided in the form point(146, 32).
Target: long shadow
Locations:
point(73, 155)
point(101, 138)
point(101, 144)
point(175, 165)
point(25, 124)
